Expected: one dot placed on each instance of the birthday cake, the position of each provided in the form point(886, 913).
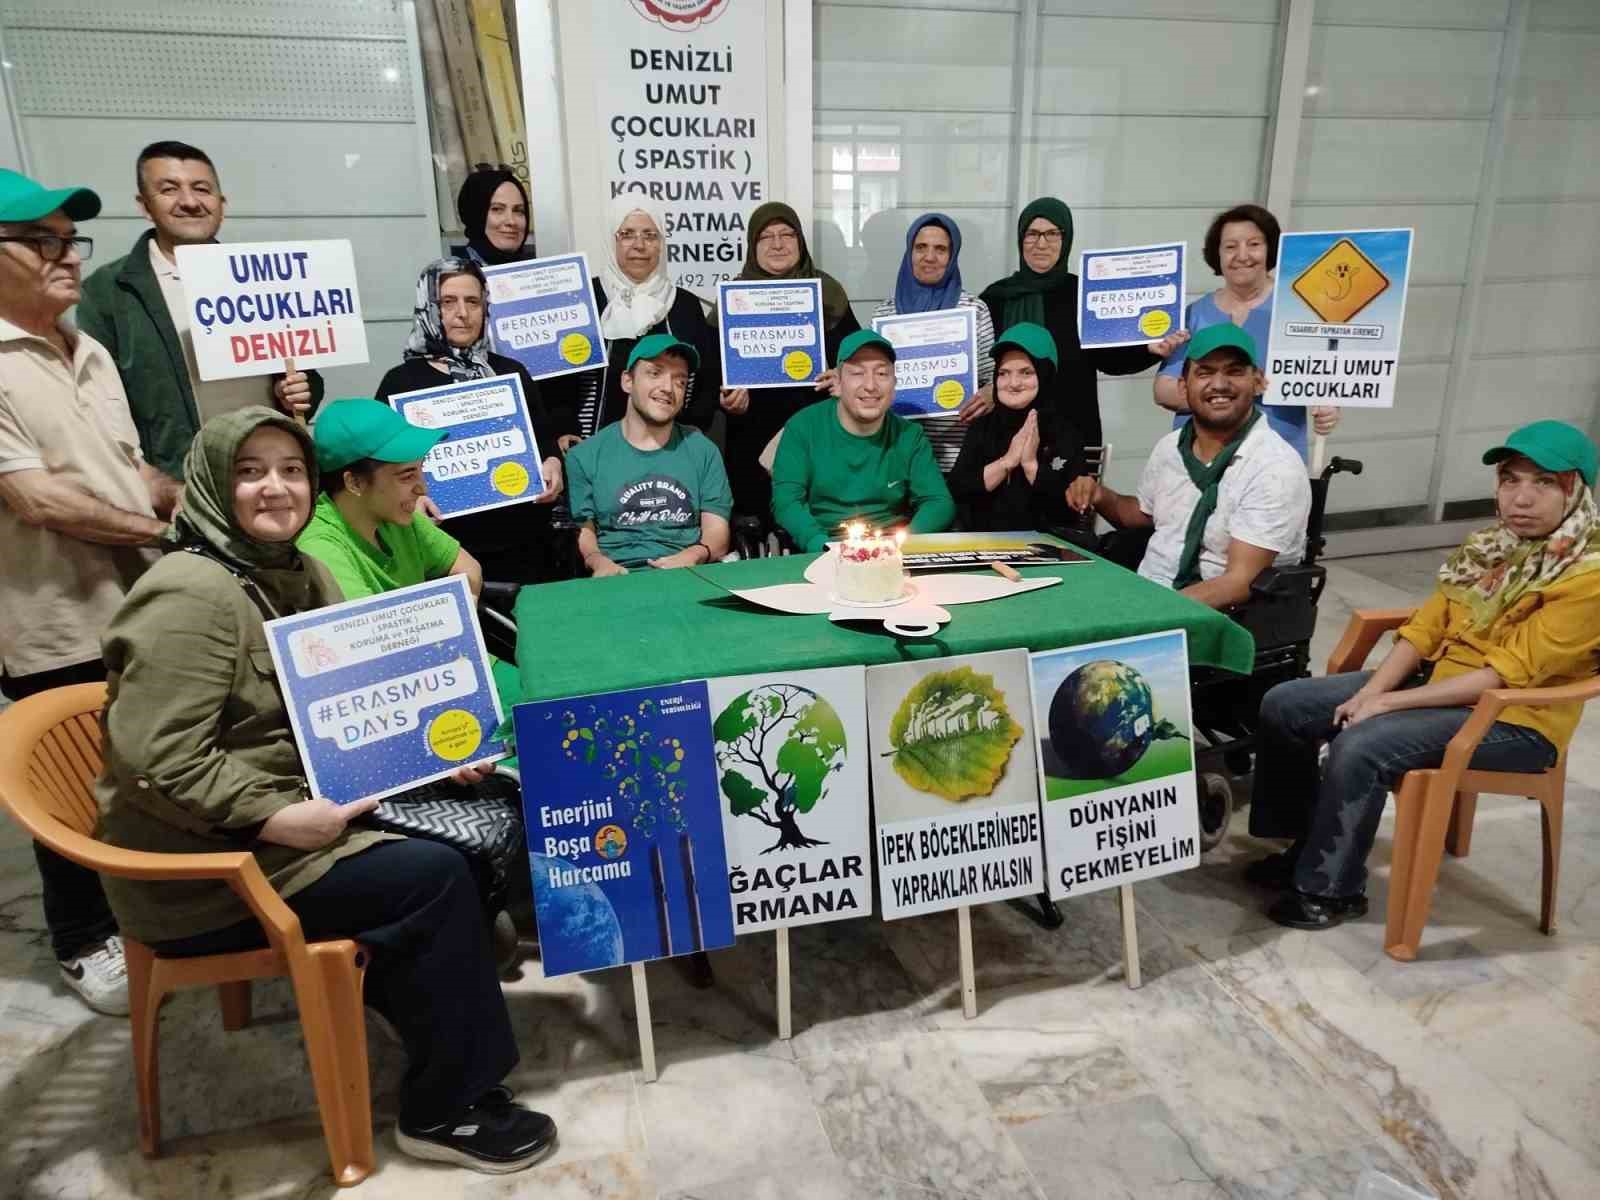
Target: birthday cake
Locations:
point(868, 570)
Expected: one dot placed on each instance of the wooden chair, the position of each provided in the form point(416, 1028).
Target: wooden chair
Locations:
point(47, 775)
point(1434, 808)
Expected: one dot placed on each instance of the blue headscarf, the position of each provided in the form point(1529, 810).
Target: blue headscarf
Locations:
point(913, 297)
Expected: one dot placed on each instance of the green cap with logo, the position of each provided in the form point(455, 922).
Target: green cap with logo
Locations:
point(1553, 445)
point(860, 339)
point(24, 199)
point(1215, 337)
point(657, 344)
point(347, 431)
point(1033, 340)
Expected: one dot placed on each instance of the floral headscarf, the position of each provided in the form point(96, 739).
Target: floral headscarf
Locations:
point(427, 338)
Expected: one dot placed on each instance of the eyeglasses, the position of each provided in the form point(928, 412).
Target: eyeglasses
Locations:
point(53, 247)
point(780, 238)
point(645, 237)
point(1042, 237)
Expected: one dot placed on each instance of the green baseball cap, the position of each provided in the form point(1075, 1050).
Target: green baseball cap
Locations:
point(658, 344)
point(1033, 340)
point(1215, 337)
point(24, 199)
point(347, 431)
point(859, 339)
point(1553, 445)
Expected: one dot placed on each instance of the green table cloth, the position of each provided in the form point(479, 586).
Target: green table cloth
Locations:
point(659, 627)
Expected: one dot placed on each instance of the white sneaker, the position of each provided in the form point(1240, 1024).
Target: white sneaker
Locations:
point(100, 976)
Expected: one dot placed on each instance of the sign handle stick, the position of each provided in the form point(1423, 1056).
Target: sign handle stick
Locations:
point(969, 984)
point(288, 370)
point(1130, 936)
point(647, 1041)
point(785, 1021)
point(1319, 453)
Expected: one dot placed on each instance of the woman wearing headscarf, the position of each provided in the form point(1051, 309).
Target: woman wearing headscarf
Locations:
point(930, 281)
point(449, 343)
point(1019, 457)
point(775, 248)
point(636, 297)
point(1518, 605)
point(1044, 291)
point(200, 757)
point(493, 207)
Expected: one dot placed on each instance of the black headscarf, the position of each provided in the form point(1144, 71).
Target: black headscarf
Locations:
point(472, 206)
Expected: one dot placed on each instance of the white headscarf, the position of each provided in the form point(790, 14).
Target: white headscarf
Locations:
point(632, 308)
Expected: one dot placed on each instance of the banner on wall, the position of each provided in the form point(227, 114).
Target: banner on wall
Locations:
point(682, 87)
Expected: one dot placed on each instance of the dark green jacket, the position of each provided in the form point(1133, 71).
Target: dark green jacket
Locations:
point(122, 309)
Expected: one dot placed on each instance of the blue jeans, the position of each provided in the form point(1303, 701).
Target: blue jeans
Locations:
point(1334, 820)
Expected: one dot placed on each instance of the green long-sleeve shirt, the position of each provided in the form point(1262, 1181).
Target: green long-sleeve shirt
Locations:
point(824, 477)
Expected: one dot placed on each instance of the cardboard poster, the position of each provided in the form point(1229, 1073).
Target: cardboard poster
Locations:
point(542, 313)
point(771, 332)
point(1116, 758)
point(936, 360)
point(624, 824)
point(252, 305)
point(955, 782)
point(490, 457)
point(388, 691)
point(959, 551)
point(791, 754)
point(1338, 305)
point(1132, 295)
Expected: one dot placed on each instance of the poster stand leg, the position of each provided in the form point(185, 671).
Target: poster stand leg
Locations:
point(647, 1040)
point(969, 984)
point(785, 1021)
point(1130, 936)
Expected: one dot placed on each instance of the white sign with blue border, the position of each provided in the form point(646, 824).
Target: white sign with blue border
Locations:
point(771, 332)
point(489, 458)
point(1130, 295)
point(543, 314)
point(936, 360)
point(389, 691)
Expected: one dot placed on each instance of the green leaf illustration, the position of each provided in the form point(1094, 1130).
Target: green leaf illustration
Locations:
point(952, 735)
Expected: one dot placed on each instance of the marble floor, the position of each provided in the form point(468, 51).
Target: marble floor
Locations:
point(1255, 1062)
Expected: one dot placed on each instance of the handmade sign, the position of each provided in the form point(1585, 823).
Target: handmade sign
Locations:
point(543, 314)
point(954, 782)
point(253, 305)
point(388, 691)
point(936, 360)
point(1338, 306)
point(1116, 757)
point(624, 823)
point(771, 332)
point(490, 457)
point(954, 551)
point(1132, 295)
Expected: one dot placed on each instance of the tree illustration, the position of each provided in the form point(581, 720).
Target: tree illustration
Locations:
point(777, 744)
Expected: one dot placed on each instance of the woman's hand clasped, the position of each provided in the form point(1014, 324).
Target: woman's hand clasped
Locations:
point(312, 824)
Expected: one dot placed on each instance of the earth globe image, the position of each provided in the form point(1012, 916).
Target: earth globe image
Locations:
point(1101, 720)
point(578, 917)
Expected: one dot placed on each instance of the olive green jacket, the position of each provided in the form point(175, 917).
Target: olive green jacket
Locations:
point(199, 751)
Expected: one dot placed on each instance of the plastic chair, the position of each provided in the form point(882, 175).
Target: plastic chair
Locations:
point(1434, 808)
point(47, 776)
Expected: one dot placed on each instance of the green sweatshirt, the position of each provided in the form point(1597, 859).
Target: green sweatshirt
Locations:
point(824, 477)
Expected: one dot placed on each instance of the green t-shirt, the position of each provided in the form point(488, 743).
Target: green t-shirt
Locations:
point(824, 477)
point(408, 554)
point(646, 503)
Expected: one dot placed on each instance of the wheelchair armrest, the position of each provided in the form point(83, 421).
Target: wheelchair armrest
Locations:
point(499, 594)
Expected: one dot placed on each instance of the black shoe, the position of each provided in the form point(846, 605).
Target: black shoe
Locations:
point(1297, 910)
point(1276, 871)
point(496, 1135)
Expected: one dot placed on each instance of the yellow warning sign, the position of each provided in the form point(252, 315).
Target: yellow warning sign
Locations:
point(1340, 283)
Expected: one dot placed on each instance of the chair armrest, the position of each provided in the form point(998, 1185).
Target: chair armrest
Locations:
point(1366, 626)
point(1458, 754)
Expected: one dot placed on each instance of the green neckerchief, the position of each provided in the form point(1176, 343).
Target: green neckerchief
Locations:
point(1208, 478)
point(1022, 292)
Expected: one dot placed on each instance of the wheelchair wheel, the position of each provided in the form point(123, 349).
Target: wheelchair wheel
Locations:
point(1216, 808)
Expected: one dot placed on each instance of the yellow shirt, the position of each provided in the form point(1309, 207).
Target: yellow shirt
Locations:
point(1545, 639)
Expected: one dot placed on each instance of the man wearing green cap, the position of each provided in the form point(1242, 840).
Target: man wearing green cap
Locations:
point(1226, 495)
point(648, 491)
point(78, 510)
point(854, 460)
point(1518, 605)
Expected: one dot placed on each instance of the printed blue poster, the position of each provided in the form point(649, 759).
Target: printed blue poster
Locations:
point(624, 823)
point(489, 458)
point(1131, 295)
point(543, 314)
point(1338, 305)
point(936, 360)
point(388, 691)
point(772, 334)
